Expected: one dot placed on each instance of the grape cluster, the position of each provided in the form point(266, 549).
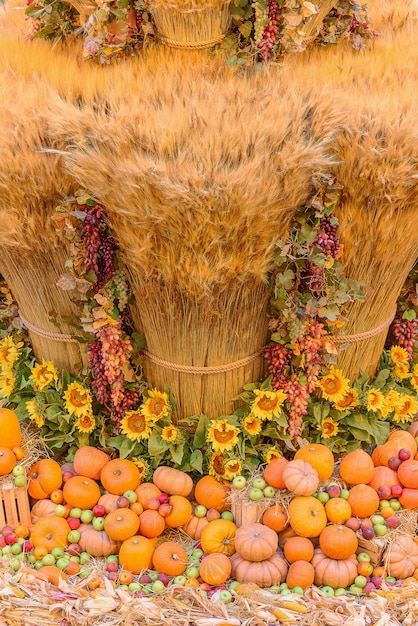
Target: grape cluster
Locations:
point(297, 398)
point(259, 21)
point(278, 361)
point(403, 333)
point(327, 239)
point(271, 32)
point(312, 278)
point(33, 28)
point(127, 402)
point(99, 384)
point(116, 290)
point(100, 247)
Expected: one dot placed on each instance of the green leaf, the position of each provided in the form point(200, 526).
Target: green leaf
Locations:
point(307, 234)
point(245, 29)
point(381, 379)
point(156, 445)
point(285, 279)
point(409, 315)
point(381, 432)
point(199, 438)
point(126, 448)
point(196, 461)
point(176, 453)
point(360, 435)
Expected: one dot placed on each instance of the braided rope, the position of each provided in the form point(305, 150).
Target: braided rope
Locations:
point(342, 339)
point(46, 333)
point(211, 369)
point(190, 45)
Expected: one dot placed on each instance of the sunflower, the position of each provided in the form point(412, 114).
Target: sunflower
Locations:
point(389, 402)
point(157, 405)
point(169, 433)
point(34, 414)
point(267, 404)
point(401, 371)
point(328, 428)
point(141, 465)
point(333, 386)
point(271, 454)
point(9, 352)
point(7, 383)
point(414, 378)
point(349, 401)
point(252, 425)
point(86, 423)
point(44, 375)
point(136, 426)
point(233, 467)
point(405, 409)
point(222, 435)
point(374, 400)
point(77, 399)
point(398, 355)
point(217, 464)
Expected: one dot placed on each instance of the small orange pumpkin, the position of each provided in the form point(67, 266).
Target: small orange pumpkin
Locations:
point(383, 475)
point(50, 532)
point(82, 492)
point(264, 574)
point(276, 517)
point(338, 510)
point(45, 476)
point(7, 461)
point(121, 524)
point(319, 457)
point(273, 472)
point(307, 516)
point(96, 542)
point(170, 558)
point(363, 500)
point(219, 536)
point(52, 574)
point(89, 461)
point(172, 481)
point(334, 572)
point(194, 526)
point(120, 475)
point(211, 493)
point(215, 568)
point(42, 508)
point(180, 512)
point(11, 434)
point(408, 474)
point(300, 574)
point(151, 524)
point(136, 553)
point(403, 557)
point(300, 478)
point(109, 501)
point(256, 542)
point(338, 542)
point(145, 492)
point(356, 467)
point(409, 498)
point(298, 549)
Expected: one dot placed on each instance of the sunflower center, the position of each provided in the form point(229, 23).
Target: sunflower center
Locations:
point(77, 399)
point(267, 404)
point(157, 406)
point(136, 423)
point(331, 385)
point(223, 436)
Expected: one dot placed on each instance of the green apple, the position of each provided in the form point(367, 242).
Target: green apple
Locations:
point(255, 494)
point(16, 549)
point(390, 579)
point(200, 510)
point(239, 482)
point(19, 481)
point(60, 510)
point(298, 590)
point(192, 571)
point(58, 553)
point(284, 592)
point(383, 504)
point(274, 589)
point(354, 589)
point(323, 496)
point(380, 530)
point(283, 586)
point(84, 572)
point(233, 585)
point(76, 512)
point(85, 558)
point(98, 523)
point(180, 580)
point(363, 556)
point(344, 494)
point(153, 575)
point(377, 519)
point(31, 558)
point(360, 581)
point(131, 495)
point(48, 559)
point(111, 557)
point(86, 517)
point(74, 536)
point(227, 515)
point(269, 492)
point(158, 586)
point(15, 564)
point(62, 563)
point(328, 591)
point(134, 587)
point(259, 483)
point(340, 591)
point(196, 555)
point(75, 559)
point(395, 504)
point(226, 596)
point(38, 564)
point(18, 470)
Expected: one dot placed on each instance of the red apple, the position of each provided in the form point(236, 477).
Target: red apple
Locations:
point(394, 462)
point(67, 475)
point(333, 491)
point(392, 521)
point(205, 587)
point(384, 492)
point(368, 588)
point(27, 546)
point(6, 530)
point(165, 509)
point(404, 454)
point(163, 498)
point(113, 576)
point(353, 523)
point(74, 549)
point(164, 579)
point(377, 581)
point(396, 490)
point(153, 504)
point(145, 579)
point(2, 541)
point(11, 538)
point(74, 523)
point(212, 514)
point(367, 532)
point(99, 510)
point(122, 502)
point(112, 566)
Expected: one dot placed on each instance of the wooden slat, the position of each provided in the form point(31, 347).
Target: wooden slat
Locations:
point(14, 506)
point(23, 506)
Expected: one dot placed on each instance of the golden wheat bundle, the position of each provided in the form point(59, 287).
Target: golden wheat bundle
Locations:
point(200, 178)
point(32, 258)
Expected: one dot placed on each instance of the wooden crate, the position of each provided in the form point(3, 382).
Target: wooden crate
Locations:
point(14, 506)
point(248, 512)
point(373, 547)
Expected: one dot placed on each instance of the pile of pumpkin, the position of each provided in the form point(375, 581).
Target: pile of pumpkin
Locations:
point(312, 516)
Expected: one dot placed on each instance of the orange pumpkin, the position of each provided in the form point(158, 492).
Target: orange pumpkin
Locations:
point(264, 573)
point(219, 536)
point(135, 554)
point(173, 481)
point(363, 500)
point(7, 461)
point(276, 517)
point(89, 461)
point(403, 557)
point(52, 574)
point(50, 532)
point(298, 549)
point(121, 524)
point(96, 542)
point(300, 478)
point(256, 542)
point(285, 535)
point(170, 558)
point(338, 510)
point(408, 474)
point(319, 457)
point(215, 568)
point(145, 492)
point(109, 501)
point(180, 512)
point(383, 475)
point(82, 492)
point(194, 526)
point(211, 493)
point(273, 472)
point(334, 573)
point(151, 524)
point(409, 498)
point(307, 516)
point(44, 477)
point(42, 508)
point(120, 475)
point(300, 574)
point(356, 467)
point(11, 434)
point(397, 440)
point(338, 542)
